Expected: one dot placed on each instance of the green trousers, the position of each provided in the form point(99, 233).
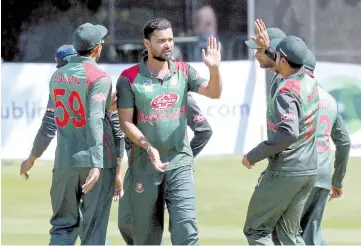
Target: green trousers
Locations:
point(80, 214)
point(310, 232)
point(141, 209)
point(275, 209)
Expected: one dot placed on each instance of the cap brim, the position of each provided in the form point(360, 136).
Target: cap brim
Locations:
point(252, 44)
point(103, 30)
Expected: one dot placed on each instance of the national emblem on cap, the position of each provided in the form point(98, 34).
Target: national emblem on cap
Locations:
point(139, 187)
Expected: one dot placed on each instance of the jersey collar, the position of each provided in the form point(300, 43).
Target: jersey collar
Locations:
point(144, 71)
point(77, 59)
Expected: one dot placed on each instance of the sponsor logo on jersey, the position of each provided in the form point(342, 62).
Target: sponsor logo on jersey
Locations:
point(164, 101)
point(148, 85)
point(99, 97)
point(288, 116)
point(271, 126)
point(313, 96)
point(164, 115)
point(139, 187)
point(199, 118)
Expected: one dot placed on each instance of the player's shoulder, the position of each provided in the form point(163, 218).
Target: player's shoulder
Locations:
point(93, 71)
point(130, 73)
point(292, 86)
point(182, 66)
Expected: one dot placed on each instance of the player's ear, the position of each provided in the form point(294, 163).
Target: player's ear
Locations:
point(146, 43)
point(97, 50)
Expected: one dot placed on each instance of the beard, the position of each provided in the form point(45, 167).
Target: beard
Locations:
point(161, 57)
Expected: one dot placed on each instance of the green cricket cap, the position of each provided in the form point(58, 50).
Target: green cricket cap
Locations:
point(87, 36)
point(293, 49)
point(310, 62)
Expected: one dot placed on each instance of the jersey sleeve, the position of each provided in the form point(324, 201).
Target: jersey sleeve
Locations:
point(46, 132)
point(96, 106)
point(286, 128)
point(194, 79)
point(341, 139)
point(118, 135)
point(199, 125)
point(125, 94)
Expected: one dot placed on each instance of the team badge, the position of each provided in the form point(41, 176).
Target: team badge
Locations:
point(139, 187)
point(148, 85)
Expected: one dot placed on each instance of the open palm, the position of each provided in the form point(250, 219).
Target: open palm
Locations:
point(261, 38)
point(212, 55)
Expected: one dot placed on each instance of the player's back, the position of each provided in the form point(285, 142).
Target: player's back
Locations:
point(69, 91)
point(301, 156)
point(326, 120)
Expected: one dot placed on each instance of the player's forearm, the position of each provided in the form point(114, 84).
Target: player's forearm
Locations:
point(214, 88)
point(200, 140)
point(45, 134)
point(269, 148)
point(95, 141)
point(120, 148)
point(118, 135)
point(134, 134)
point(341, 160)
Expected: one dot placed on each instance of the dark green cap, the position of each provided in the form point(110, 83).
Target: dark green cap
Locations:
point(274, 42)
point(293, 49)
point(63, 54)
point(310, 62)
point(273, 32)
point(87, 36)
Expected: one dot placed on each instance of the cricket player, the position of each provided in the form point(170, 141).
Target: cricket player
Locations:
point(48, 128)
point(85, 160)
point(152, 99)
point(330, 124)
point(280, 195)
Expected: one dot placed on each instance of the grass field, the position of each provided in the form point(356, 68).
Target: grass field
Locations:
point(223, 191)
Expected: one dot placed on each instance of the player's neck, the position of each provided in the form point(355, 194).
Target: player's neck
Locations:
point(289, 71)
point(156, 67)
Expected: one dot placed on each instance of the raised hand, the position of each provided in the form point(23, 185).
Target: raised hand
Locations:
point(261, 38)
point(212, 55)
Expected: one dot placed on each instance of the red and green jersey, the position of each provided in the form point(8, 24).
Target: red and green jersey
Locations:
point(81, 92)
point(330, 125)
point(292, 112)
point(159, 111)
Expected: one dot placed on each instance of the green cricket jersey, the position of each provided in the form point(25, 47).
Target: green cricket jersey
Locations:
point(160, 111)
point(292, 112)
point(81, 92)
point(330, 124)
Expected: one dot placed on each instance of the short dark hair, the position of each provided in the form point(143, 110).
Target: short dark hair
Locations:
point(156, 24)
point(86, 52)
point(292, 64)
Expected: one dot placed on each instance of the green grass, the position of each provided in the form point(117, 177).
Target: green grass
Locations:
point(224, 188)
